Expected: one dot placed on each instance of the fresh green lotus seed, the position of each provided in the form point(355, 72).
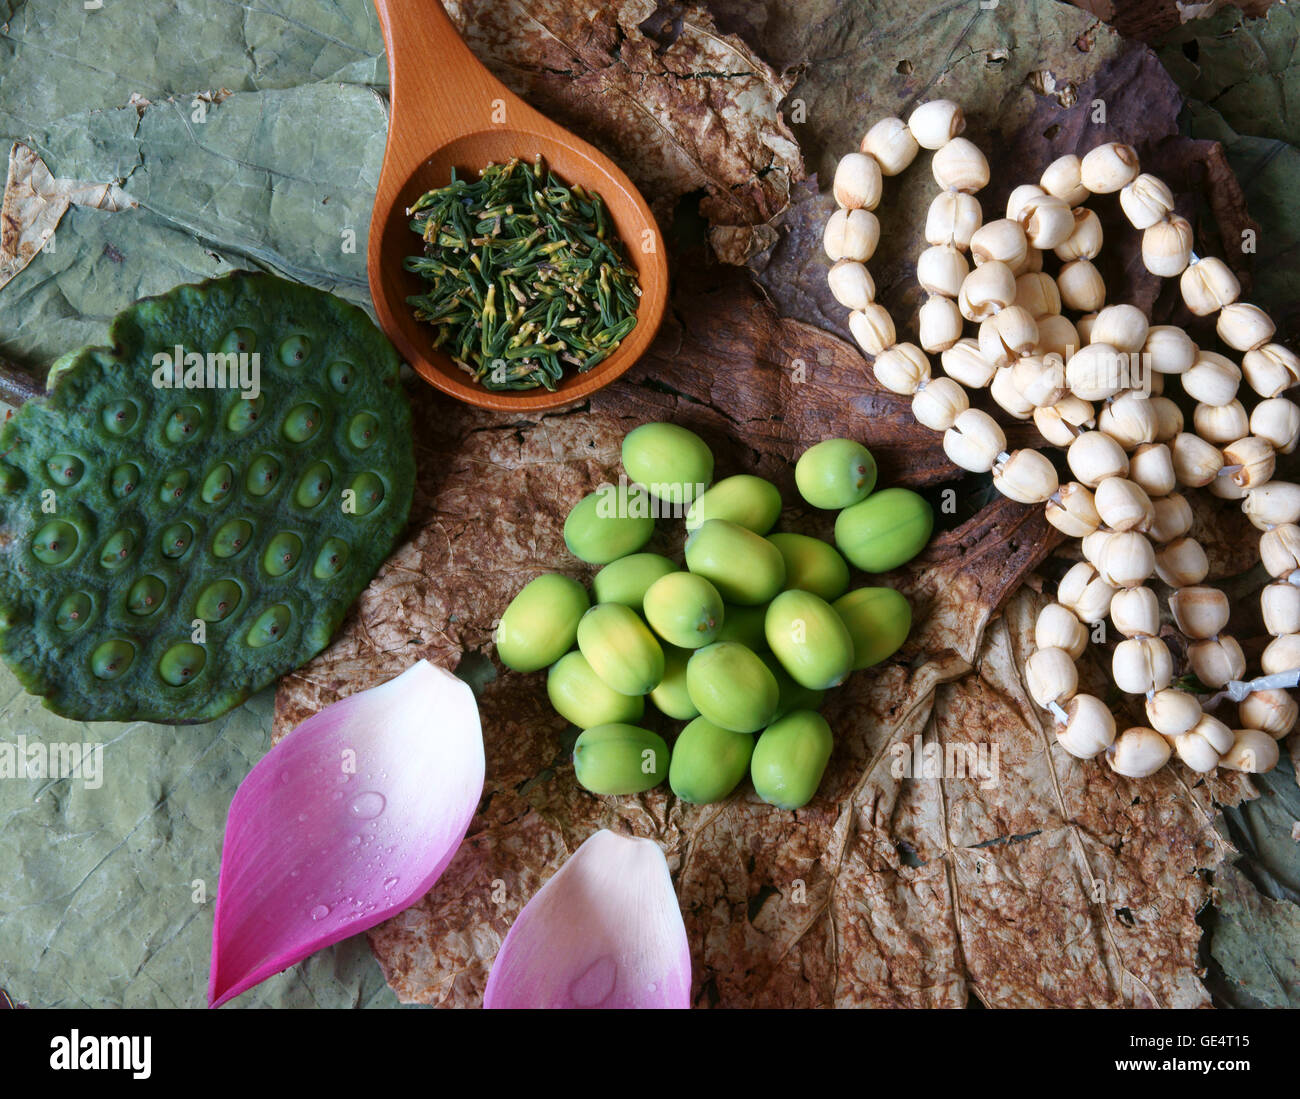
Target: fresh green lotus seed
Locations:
point(244, 413)
point(183, 424)
point(626, 580)
point(146, 595)
point(73, 612)
point(621, 649)
point(263, 475)
point(175, 540)
point(732, 687)
point(119, 417)
point(878, 620)
point(218, 483)
point(282, 553)
point(231, 537)
point(836, 473)
point(708, 762)
point(331, 560)
point(745, 567)
point(744, 624)
point(887, 529)
point(118, 550)
point(218, 600)
point(341, 375)
point(684, 609)
point(65, 469)
point(790, 759)
point(673, 464)
point(55, 542)
point(11, 480)
point(608, 524)
point(124, 478)
point(363, 429)
point(812, 565)
point(239, 341)
point(367, 493)
point(580, 696)
point(541, 622)
point(181, 663)
point(174, 486)
point(791, 696)
point(620, 759)
point(112, 659)
point(271, 626)
point(295, 350)
point(303, 422)
point(672, 697)
point(809, 639)
point(748, 501)
point(313, 485)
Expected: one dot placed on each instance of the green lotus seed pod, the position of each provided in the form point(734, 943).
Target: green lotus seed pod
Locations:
point(175, 540)
point(123, 480)
point(118, 417)
point(672, 697)
point(218, 483)
point(580, 696)
point(118, 550)
point(55, 542)
point(878, 620)
point(181, 663)
point(73, 611)
point(808, 638)
point(341, 375)
point(746, 500)
point(146, 595)
point(541, 622)
point(11, 480)
point(239, 341)
point(331, 560)
point(620, 759)
point(295, 351)
point(313, 485)
point(836, 473)
point(245, 413)
point(621, 649)
point(790, 758)
point(218, 601)
point(791, 695)
point(887, 529)
point(684, 609)
point(112, 659)
point(673, 464)
point(282, 553)
point(367, 493)
point(302, 422)
point(608, 524)
point(744, 624)
point(812, 565)
point(626, 580)
point(231, 537)
point(174, 486)
point(708, 762)
point(262, 476)
point(271, 625)
point(65, 469)
point(732, 687)
point(363, 429)
point(745, 567)
point(183, 424)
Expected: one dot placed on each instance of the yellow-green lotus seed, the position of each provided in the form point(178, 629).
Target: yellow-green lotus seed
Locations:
point(812, 565)
point(886, 530)
point(621, 649)
point(809, 639)
point(672, 697)
point(626, 580)
point(708, 762)
point(684, 609)
point(608, 524)
point(878, 620)
point(732, 687)
point(790, 758)
point(620, 759)
point(748, 501)
point(672, 463)
point(745, 567)
point(541, 623)
point(580, 696)
point(836, 473)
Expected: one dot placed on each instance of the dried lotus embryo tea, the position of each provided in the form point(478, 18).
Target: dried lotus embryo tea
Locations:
point(527, 276)
point(172, 540)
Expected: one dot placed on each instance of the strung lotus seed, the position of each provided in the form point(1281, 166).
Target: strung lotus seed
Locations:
point(331, 560)
point(263, 475)
point(146, 595)
point(120, 416)
point(271, 625)
point(183, 424)
point(112, 659)
point(176, 540)
point(118, 549)
point(363, 430)
point(216, 485)
point(282, 553)
point(313, 486)
point(295, 350)
point(73, 612)
point(65, 469)
point(55, 542)
point(174, 486)
point(240, 341)
point(367, 493)
point(11, 480)
point(302, 423)
point(217, 601)
point(123, 480)
point(341, 375)
point(231, 537)
point(181, 663)
point(244, 414)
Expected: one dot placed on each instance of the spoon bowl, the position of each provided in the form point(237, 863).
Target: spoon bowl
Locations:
point(450, 112)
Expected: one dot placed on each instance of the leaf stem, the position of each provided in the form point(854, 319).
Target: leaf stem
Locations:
point(18, 386)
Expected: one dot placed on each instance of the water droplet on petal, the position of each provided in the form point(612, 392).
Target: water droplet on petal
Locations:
point(320, 912)
point(389, 883)
point(368, 805)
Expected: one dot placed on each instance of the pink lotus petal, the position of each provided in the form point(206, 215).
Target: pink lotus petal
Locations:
point(605, 931)
point(350, 818)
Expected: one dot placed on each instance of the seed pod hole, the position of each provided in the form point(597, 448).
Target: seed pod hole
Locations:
point(282, 553)
point(119, 417)
point(118, 550)
point(183, 424)
point(176, 540)
point(73, 612)
point(331, 560)
point(55, 542)
point(363, 429)
point(123, 480)
point(314, 485)
point(368, 492)
point(302, 422)
point(174, 486)
point(218, 483)
point(271, 626)
point(341, 375)
point(239, 341)
point(231, 537)
point(112, 659)
point(219, 600)
point(146, 596)
point(263, 475)
point(244, 414)
point(65, 469)
point(295, 350)
point(182, 663)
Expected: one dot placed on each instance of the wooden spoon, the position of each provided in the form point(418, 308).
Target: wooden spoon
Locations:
point(448, 110)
